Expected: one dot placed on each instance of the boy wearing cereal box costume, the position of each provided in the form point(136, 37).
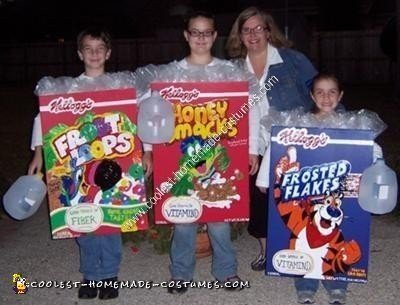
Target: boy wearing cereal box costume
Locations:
point(100, 255)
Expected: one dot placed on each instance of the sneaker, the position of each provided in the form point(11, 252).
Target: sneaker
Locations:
point(233, 283)
point(259, 263)
point(305, 297)
point(176, 286)
point(87, 290)
point(109, 289)
point(337, 296)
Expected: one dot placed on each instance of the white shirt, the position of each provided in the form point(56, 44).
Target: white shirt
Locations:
point(183, 63)
point(273, 58)
point(260, 142)
point(36, 133)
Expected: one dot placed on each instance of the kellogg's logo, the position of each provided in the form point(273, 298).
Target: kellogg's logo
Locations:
point(179, 94)
point(300, 136)
point(69, 104)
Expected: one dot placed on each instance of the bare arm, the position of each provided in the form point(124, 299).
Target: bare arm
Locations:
point(147, 161)
point(35, 166)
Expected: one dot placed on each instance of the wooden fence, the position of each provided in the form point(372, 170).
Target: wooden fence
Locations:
point(355, 57)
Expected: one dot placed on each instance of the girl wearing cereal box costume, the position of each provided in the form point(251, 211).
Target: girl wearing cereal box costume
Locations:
point(199, 65)
point(326, 93)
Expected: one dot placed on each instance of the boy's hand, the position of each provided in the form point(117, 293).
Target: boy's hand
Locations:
point(37, 162)
point(147, 162)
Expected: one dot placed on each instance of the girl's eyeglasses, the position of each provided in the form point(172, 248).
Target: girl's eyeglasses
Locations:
point(197, 33)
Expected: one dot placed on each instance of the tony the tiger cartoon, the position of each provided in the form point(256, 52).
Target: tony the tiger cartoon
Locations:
point(315, 221)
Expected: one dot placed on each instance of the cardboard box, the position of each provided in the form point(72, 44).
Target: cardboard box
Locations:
point(316, 228)
point(201, 175)
point(93, 162)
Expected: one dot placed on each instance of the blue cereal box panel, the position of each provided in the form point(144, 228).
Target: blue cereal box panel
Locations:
point(316, 227)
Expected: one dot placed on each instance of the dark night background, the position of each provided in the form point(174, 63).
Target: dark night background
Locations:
point(355, 39)
point(50, 20)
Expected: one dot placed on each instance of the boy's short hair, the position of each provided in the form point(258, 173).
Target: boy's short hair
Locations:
point(96, 33)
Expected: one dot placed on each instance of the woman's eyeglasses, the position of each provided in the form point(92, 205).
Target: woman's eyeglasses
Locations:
point(256, 30)
point(197, 33)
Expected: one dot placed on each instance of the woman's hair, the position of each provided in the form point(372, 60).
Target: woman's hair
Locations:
point(325, 76)
point(96, 33)
point(194, 14)
point(234, 45)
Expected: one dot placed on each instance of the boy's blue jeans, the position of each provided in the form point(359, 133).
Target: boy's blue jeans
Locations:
point(183, 251)
point(100, 256)
point(303, 284)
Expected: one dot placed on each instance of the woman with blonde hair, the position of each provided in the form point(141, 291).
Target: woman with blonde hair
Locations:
point(285, 77)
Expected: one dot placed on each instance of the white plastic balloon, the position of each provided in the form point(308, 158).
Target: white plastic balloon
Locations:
point(156, 120)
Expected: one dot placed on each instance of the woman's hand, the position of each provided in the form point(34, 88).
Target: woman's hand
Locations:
point(253, 162)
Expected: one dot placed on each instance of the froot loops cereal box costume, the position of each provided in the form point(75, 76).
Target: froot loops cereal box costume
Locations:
point(92, 154)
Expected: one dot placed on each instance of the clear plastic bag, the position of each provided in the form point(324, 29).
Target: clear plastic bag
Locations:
point(361, 119)
point(181, 71)
point(63, 84)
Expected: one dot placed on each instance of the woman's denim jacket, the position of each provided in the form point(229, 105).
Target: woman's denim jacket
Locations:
point(288, 84)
